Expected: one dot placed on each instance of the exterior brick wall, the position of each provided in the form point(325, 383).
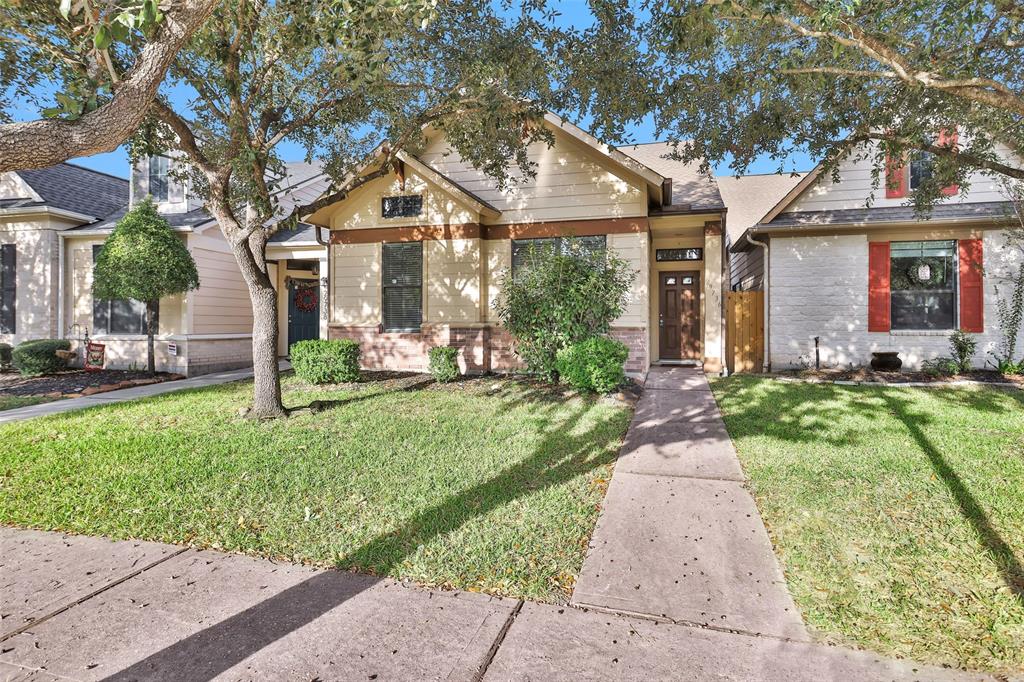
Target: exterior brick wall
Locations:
point(819, 287)
point(635, 339)
point(482, 348)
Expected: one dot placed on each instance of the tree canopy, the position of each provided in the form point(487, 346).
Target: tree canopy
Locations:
point(738, 80)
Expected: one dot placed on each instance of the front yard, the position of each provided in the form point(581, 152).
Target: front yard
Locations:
point(898, 514)
point(486, 484)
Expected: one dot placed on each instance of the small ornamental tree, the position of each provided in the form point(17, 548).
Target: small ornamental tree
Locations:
point(561, 295)
point(144, 260)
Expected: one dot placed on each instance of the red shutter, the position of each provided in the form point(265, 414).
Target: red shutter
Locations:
point(972, 295)
point(895, 178)
point(948, 138)
point(878, 287)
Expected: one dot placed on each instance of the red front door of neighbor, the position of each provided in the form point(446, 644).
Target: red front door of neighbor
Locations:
point(679, 316)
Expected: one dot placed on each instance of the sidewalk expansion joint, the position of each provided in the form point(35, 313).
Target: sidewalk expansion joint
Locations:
point(498, 641)
point(686, 476)
point(666, 620)
point(36, 621)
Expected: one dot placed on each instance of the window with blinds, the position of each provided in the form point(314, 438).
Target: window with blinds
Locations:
point(524, 249)
point(402, 284)
point(120, 316)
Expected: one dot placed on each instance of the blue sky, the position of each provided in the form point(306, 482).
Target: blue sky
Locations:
point(573, 12)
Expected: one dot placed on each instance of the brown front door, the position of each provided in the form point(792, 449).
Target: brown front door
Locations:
point(679, 315)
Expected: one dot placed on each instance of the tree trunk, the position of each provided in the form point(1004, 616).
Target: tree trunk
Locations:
point(266, 398)
point(150, 331)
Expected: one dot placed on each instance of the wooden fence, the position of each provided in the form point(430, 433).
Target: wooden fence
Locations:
point(744, 333)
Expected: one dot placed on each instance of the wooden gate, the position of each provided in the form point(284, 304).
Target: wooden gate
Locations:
point(744, 334)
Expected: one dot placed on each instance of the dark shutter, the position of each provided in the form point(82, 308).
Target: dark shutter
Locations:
point(403, 286)
point(8, 288)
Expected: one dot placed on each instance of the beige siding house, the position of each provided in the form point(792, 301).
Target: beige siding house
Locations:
point(850, 270)
point(416, 257)
point(52, 222)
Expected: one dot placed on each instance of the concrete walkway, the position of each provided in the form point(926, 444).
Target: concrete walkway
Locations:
point(679, 537)
point(111, 397)
point(80, 608)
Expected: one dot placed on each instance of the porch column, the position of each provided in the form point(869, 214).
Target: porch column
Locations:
point(713, 341)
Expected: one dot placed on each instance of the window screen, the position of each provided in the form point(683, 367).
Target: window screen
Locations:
point(158, 185)
point(403, 286)
point(119, 316)
point(923, 285)
point(522, 249)
point(407, 206)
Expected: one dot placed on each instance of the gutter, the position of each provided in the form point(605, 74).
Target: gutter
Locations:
point(46, 210)
point(766, 363)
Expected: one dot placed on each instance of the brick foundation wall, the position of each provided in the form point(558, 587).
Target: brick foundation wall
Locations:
point(482, 349)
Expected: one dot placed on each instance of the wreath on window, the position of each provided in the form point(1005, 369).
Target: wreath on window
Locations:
point(306, 299)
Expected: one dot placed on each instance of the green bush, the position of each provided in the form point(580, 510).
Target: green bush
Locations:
point(5, 356)
point(444, 363)
point(326, 361)
point(962, 346)
point(1009, 367)
point(563, 292)
point(940, 367)
point(593, 365)
point(33, 358)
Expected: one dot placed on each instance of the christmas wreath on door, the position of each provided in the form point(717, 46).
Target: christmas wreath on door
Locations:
point(306, 298)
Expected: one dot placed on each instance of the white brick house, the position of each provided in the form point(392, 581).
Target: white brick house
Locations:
point(861, 273)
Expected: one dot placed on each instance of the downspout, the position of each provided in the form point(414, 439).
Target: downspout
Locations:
point(726, 277)
point(325, 275)
point(766, 284)
point(60, 285)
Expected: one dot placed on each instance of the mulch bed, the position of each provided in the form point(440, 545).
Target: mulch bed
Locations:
point(76, 383)
point(870, 376)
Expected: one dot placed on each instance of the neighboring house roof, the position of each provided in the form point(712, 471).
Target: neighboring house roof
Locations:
point(73, 188)
point(690, 187)
point(750, 197)
point(891, 214)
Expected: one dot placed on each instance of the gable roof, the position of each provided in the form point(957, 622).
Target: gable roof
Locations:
point(690, 187)
point(750, 197)
point(73, 188)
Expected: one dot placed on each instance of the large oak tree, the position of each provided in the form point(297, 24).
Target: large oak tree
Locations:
point(354, 83)
point(743, 79)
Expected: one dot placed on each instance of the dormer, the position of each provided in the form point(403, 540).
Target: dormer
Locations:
point(153, 176)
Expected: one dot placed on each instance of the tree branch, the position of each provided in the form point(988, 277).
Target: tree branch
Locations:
point(42, 143)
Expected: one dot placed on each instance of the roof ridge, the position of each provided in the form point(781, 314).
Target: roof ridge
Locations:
point(93, 170)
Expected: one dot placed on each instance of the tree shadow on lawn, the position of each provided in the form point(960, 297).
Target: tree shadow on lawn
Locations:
point(793, 417)
point(560, 456)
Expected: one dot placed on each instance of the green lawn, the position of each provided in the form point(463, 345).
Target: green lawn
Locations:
point(9, 402)
point(484, 485)
point(898, 514)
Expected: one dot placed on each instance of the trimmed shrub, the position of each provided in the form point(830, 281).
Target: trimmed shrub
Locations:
point(444, 363)
point(593, 365)
point(5, 356)
point(33, 358)
point(940, 367)
point(326, 361)
point(962, 346)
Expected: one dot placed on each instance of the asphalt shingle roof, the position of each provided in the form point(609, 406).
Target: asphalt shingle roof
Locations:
point(750, 197)
point(74, 188)
point(689, 185)
point(892, 214)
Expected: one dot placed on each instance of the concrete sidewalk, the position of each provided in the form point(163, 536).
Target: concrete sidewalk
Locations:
point(85, 608)
point(109, 398)
point(679, 537)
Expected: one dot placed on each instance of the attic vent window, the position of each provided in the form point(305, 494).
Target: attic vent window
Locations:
point(406, 206)
point(663, 255)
